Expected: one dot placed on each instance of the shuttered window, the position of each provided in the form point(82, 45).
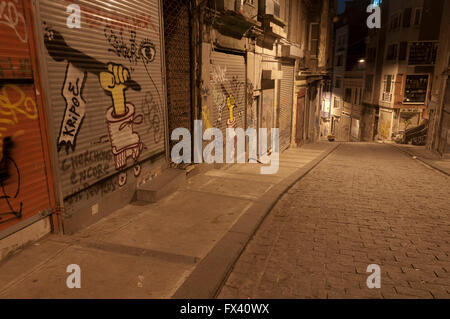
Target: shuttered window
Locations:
point(314, 39)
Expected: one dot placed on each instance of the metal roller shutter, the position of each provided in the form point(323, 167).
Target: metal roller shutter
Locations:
point(178, 63)
point(103, 125)
point(267, 115)
point(285, 115)
point(24, 189)
point(228, 87)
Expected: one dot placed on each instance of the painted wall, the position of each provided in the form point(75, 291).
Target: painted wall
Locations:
point(105, 92)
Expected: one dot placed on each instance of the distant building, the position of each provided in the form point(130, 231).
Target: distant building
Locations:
point(400, 68)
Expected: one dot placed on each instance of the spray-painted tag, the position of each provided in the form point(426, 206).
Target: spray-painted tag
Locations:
point(75, 106)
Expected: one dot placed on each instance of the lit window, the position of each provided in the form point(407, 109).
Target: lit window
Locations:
point(416, 88)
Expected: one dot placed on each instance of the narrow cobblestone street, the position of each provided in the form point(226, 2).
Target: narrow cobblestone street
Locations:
point(364, 204)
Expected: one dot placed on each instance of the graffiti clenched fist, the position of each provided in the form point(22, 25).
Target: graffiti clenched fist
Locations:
point(113, 81)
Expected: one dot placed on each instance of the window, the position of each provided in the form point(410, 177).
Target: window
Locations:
point(422, 53)
point(314, 37)
point(348, 95)
point(336, 103)
point(392, 52)
point(395, 21)
point(418, 16)
point(338, 83)
point(407, 17)
point(387, 88)
point(416, 88)
point(340, 60)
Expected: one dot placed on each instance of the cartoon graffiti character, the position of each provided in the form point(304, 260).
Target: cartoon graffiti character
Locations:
point(231, 103)
point(125, 142)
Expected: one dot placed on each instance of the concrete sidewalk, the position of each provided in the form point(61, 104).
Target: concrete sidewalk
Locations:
point(182, 246)
point(426, 156)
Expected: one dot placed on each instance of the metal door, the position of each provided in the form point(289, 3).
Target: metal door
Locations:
point(177, 40)
point(267, 115)
point(300, 120)
point(25, 189)
point(285, 109)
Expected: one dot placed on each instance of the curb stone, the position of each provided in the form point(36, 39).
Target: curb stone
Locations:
point(207, 279)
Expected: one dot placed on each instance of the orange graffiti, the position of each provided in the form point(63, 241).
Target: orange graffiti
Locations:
point(13, 103)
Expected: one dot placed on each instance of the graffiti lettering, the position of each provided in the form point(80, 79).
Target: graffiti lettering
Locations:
point(132, 51)
point(14, 102)
point(12, 68)
point(99, 17)
point(218, 73)
point(75, 106)
point(97, 172)
point(86, 159)
point(85, 192)
point(11, 16)
point(152, 116)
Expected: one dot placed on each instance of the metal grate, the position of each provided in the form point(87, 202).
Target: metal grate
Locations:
point(178, 63)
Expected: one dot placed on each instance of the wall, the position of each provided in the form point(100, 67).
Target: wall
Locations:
point(439, 129)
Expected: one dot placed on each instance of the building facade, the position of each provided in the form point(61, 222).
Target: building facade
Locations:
point(400, 69)
point(439, 106)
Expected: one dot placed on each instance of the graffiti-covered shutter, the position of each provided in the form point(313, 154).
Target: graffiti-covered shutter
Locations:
point(105, 87)
point(227, 86)
point(24, 189)
point(285, 116)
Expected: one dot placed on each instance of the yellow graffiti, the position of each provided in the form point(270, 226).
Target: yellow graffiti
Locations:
point(205, 117)
point(231, 102)
point(114, 81)
point(10, 111)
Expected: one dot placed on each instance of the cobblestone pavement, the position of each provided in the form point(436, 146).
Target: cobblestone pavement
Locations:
point(365, 204)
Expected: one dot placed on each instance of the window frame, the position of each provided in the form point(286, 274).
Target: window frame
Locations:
point(311, 40)
point(397, 17)
point(384, 92)
point(426, 91)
